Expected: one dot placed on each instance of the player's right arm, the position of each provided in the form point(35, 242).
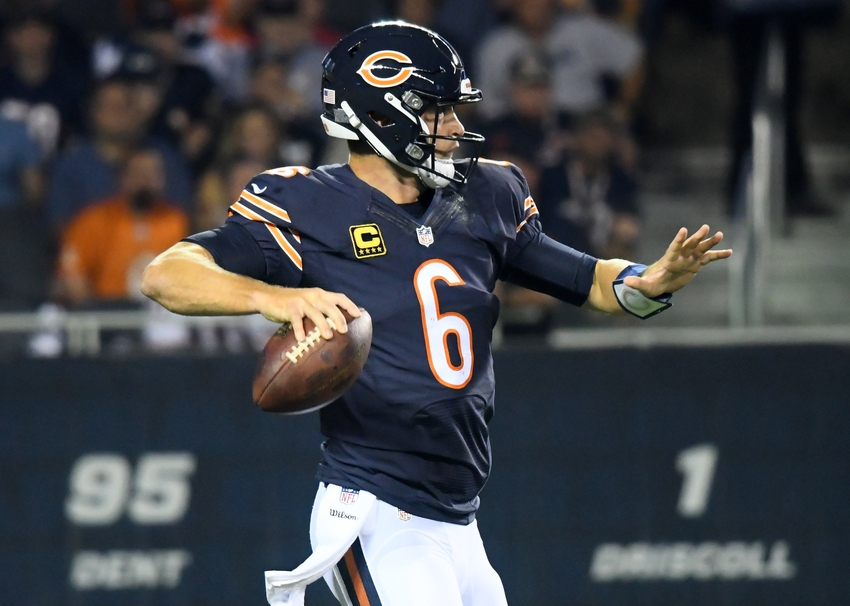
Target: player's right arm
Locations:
point(186, 280)
point(252, 263)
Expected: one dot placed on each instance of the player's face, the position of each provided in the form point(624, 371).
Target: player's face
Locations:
point(448, 125)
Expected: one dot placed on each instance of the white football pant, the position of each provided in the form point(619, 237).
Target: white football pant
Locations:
point(403, 560)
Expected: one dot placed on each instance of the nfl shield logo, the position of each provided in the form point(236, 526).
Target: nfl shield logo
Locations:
point(348, 495)
point(425, 235)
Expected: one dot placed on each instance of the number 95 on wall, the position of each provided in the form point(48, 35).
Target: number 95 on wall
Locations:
point(156, 491)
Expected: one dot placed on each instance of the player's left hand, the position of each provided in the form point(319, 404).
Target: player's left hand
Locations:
point(684, 258)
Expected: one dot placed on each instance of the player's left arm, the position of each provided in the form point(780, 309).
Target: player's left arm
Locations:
point(614, 286)
point(685, 256)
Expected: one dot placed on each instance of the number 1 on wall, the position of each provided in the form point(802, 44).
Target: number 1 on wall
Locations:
point(697, 465)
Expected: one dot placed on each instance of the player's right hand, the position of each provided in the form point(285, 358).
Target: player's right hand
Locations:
point(292, 305)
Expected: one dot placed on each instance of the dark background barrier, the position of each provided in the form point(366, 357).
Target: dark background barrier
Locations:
point(713, 476)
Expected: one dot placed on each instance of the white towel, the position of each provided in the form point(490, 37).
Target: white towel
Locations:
point(339, 516)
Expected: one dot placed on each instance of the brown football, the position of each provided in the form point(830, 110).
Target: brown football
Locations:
point(295, 378)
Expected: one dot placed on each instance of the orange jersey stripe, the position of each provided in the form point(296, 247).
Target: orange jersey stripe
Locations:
point(288, 249)
point(531, 209)
point(359, 589)
point(266, 206)
point(248, 213)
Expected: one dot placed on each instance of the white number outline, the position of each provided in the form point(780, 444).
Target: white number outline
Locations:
point(287, 172)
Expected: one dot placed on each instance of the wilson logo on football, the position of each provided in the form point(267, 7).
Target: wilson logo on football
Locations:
point(395, 75)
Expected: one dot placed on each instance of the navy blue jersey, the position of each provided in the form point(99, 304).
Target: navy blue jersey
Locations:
point(413, 428)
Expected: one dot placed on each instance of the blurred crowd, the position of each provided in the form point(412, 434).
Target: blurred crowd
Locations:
point(127, 124)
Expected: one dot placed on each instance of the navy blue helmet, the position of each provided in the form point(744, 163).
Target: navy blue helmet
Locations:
point(379, 80)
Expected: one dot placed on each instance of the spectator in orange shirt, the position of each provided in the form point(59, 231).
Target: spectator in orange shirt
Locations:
point(106, 247)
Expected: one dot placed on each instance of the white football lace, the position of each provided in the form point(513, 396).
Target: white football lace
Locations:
point(309, 341)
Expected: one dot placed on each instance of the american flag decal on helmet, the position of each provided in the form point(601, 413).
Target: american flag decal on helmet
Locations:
point(329, 96)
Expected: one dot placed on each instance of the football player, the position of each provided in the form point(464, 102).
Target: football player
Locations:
point(419, 239)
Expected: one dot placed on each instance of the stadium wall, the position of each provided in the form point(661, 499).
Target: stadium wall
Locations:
point(714, 476)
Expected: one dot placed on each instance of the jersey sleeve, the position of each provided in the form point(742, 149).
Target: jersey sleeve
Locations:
point(518, 214)
point(266, 245)
point(534, 260)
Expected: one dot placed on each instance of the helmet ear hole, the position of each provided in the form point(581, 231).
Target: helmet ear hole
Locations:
point(381, 120)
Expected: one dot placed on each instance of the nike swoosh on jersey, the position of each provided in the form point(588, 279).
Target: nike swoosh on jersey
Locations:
point(257, 190)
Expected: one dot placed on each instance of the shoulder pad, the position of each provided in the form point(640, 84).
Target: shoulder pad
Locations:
point(500, 169)
point(502, 173)
point(287, 172)
point(268, 196)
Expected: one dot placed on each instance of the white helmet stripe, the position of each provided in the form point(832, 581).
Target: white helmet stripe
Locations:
point(371, 138)
point(338, 130)
point(396, 103)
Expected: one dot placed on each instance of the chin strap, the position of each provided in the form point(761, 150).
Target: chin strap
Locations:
point(445, 170)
